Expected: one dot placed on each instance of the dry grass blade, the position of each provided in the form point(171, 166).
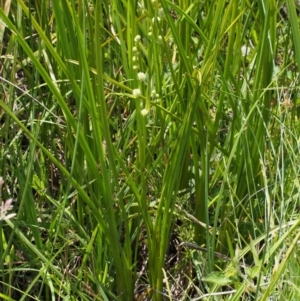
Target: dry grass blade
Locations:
point(5, 6)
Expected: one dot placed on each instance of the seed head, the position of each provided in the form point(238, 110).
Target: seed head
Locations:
point(144, 112)
point(137, 38)
point(136, 93)
point(141, 76)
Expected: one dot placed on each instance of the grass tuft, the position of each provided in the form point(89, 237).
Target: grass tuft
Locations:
point(151, 150)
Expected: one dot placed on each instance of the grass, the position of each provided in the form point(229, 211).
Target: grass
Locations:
point(151, 149)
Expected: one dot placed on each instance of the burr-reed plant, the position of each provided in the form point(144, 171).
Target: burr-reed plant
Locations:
point(151, 148)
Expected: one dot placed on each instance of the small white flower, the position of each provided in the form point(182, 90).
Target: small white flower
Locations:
point(134, 58)
point(135, 67)
point(153, 93)
point(141, 76)
point(136, 93)
point(150, 34)
point(134, 49)
point(245, 50)
point(137, 38)
point(160, 39)
point(144, 112)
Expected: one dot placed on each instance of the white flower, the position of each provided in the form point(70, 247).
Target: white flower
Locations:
point(144, 112)
point(137, 38)
point(153, 94)
point(134, 49)
point(136, 93)
point(135, 67)
point(141, 76)
point(245, 50)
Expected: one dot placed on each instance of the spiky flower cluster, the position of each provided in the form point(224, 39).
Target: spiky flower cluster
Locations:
point(136, 93)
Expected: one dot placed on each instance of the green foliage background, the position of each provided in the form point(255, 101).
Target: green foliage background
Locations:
point(151, 148)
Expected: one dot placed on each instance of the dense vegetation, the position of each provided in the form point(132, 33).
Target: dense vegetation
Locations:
point(151, 149)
